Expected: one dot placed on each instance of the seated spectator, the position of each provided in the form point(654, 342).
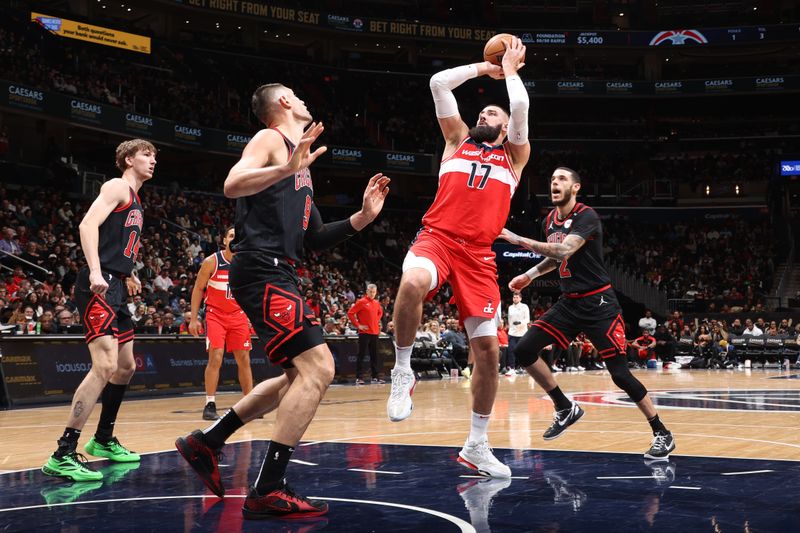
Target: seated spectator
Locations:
point(187, 319)
point(457, 341)
point(430, 332)
point(331, 327)
point(643, 348)
point(665, 343)
point(65, 318)
point(751, 329)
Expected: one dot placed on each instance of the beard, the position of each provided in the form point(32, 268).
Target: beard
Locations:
point(484, 133)
point(566, 196)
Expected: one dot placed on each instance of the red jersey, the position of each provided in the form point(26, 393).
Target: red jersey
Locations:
point(218, 293)
point(476, 184)
point(368, 312)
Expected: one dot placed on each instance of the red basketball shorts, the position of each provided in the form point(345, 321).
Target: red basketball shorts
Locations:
point(230, 331)
point(469, 269)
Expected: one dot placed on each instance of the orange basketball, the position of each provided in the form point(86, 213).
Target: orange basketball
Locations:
point(496, 47)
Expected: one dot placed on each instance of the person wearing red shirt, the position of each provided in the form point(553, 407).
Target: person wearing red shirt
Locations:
point(366, 315)
point(644, 346)
point(502, 340)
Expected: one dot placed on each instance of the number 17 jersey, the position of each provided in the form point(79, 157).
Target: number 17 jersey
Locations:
point(476, 184)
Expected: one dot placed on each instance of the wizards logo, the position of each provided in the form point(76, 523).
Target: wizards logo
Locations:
point(678, 37)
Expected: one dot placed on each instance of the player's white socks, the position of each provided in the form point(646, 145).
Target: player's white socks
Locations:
point(477, 430)
point(403, 356)
point(210, 399)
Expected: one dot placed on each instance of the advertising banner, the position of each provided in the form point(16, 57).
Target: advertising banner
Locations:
point(93, 34)
point(50, 368)
point(511, 253)
point(415, 29)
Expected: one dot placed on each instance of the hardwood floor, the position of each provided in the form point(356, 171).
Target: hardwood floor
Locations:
point(746, 414)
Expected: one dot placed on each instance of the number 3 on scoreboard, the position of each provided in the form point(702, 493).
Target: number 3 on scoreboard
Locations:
point(133, 245)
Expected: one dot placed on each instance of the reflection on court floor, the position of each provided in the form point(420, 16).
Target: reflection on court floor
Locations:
point(389, 488)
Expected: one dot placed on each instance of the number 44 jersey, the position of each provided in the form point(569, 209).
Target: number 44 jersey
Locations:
point(476, 184)
point(119, 236)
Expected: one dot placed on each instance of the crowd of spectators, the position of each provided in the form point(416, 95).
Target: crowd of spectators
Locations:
point(720, 265)
point(685, 259)
point(688, 260)
point(211, 88)
point(36, 292)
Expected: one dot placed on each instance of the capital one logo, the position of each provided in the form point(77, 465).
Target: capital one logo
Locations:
point(678, 37)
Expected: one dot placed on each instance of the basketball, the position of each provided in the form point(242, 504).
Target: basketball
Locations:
point(496, 47)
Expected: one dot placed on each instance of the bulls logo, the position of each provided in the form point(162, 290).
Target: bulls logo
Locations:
point(678, 37)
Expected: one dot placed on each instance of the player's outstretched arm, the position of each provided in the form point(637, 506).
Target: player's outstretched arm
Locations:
point(555, 250)
point(323, 236)
point(261, 164)
point(442, 84)
point(519, 104)
point(524, 279)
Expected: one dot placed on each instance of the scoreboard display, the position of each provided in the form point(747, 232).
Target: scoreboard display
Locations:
point(684, 37)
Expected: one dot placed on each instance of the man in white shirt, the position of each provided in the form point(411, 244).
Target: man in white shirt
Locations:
point(519, 316)
point(751, 329)
point(647, 322)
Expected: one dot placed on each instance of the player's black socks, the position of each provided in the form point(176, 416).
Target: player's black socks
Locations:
point(274, 467)
point(559, 399)
point(111, 399)
point(68, 442)
point(217, 434)
point(657, 425)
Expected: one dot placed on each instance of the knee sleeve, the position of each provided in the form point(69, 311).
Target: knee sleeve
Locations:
point(414, 261)
point(526, 352)
point(618, 368)
point(477, 326)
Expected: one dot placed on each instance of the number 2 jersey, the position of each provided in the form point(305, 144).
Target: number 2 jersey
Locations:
point(585, 271)
point(476, 184)
point(119, 237)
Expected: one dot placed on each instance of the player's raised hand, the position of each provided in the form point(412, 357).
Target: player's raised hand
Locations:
point(374, 196)
point(493, 71)
point(303, 156)
point(514, 57)
point(519, 282)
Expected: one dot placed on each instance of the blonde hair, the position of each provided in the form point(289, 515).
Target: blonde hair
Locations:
point(131, 148)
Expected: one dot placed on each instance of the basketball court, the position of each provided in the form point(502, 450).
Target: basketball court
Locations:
point(737, 466)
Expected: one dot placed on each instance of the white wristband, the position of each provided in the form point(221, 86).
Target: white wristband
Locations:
point(533, 273)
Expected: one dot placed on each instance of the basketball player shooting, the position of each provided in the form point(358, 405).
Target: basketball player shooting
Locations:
point(477, 178)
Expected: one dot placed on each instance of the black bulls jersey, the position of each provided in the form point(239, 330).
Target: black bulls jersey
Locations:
point(585, 271)
point(120, 234)
point(275, 220)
